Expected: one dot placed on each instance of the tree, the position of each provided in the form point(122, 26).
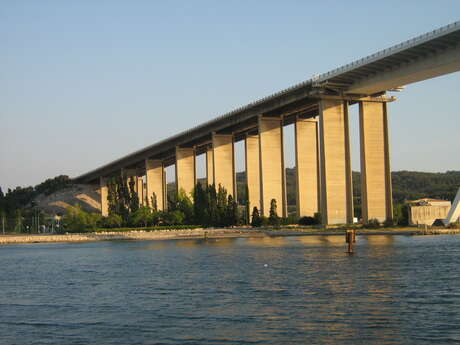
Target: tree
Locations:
point(185, 205)
point(19, 219)
point(232, 211)
point(256, 220)
point(112, 221)
point(77, 220)
point(133, 197)
point(200, 204)
point(273, 218)
point(154, 202)
point(222, 202)
point(142, 216)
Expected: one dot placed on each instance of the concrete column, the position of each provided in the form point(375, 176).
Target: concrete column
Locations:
point(307, 166)
point(272, 174)
point(209, 166)
point(185, 170)
point(252, 156)
point(224, 162)
point(376, 192)
point(155, 182)
point(104, 190)
point(335, 165)
point(140, 190)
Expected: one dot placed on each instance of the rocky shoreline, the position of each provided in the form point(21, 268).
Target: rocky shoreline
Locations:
point(203, 234)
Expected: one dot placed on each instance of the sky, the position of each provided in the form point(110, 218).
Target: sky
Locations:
point(85, 82)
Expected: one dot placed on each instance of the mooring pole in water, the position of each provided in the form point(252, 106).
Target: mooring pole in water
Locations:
point(205, 235)
point(350, 238)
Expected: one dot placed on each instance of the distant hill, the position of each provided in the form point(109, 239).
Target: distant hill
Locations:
point(407, 185)
point(54, 195)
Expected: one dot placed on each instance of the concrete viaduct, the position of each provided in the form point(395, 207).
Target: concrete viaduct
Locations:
point(318, 108)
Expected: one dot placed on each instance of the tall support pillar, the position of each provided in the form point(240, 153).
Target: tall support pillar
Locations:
point(140, 190)
point(272, 173)
point(209, 166)
point(224, 162)
point(185, 170)
point(104, 190)
point(155, 183)
point(335, 165)
point(252, 156)
point(376, 197)
point(307, 166)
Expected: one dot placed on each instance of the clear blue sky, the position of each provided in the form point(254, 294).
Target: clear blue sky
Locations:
point(85, 82)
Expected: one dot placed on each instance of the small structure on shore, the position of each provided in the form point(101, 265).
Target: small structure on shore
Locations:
point(425, 211)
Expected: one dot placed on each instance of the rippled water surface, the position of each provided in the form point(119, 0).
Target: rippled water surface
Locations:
point(285, 290)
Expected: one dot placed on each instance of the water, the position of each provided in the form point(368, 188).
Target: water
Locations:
point(297, 290)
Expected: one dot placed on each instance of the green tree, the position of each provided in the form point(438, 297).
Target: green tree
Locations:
point(77, 220)
point(232, 212)
point(154, 202)
point(200, 205)
point(142, 216)
point(112, 221)
point(256, 220)
point(185, 205)
point(273, 218)
point(19, 220)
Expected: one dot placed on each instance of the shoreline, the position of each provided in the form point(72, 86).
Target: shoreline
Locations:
point(200, 233)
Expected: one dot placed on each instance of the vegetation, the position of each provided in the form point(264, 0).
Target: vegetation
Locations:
point(208, 206)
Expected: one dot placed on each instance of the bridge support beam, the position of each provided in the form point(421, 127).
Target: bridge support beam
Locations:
point(104, 190)
point(209, 166)
point(185, 170)
point(307, 167)
point(272, 174)
point(155, 183)
point(335, 165)
point(252, 157)
point(376, 191)
point(140, 190)
point(224, 162)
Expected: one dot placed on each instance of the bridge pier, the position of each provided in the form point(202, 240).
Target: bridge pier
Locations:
point(252, 160)
point(335, 165)
point(376, 191)
point(185, 170)
point(224, 162)
point(307, 166)
point(209, 165)
point(155, 183)
point(140, 190)
point(104, 191)
point(272, 174)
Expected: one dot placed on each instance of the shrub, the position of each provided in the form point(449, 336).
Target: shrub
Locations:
point(388, 223)
point(307, 221)
point(112, 221)
point(373, 223)
point(175, 217)
point(318, 218)
point(454, 225)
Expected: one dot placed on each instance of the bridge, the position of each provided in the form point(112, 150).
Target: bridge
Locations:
point(318, 108)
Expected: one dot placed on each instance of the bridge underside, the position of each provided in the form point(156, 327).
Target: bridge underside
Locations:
point(319, 109)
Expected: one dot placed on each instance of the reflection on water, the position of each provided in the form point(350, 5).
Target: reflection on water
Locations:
point(280, 290)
